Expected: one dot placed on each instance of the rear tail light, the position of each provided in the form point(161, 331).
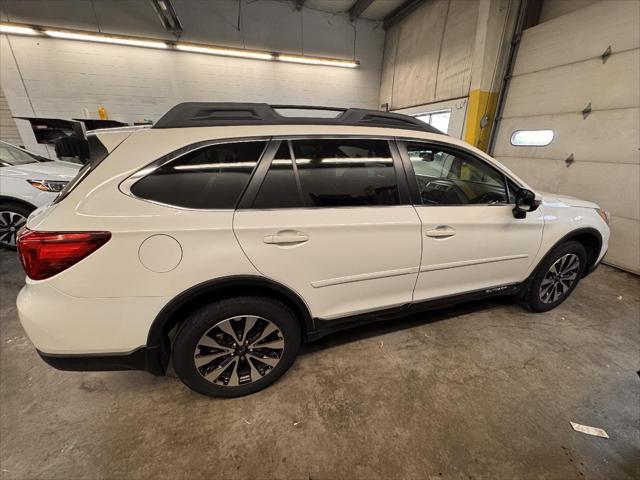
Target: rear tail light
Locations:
point(44, 254)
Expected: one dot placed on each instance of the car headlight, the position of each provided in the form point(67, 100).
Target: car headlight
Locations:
point(48, 185)
point(606, 216)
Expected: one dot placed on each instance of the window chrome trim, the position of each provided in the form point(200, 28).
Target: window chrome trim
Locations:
point(126, 184)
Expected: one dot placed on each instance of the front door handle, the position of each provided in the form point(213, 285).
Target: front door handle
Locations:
point(442, 231)
point(286, 238)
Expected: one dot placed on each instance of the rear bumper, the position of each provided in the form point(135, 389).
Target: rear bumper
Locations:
point(58, 323)
point(143, 358)
point(85, 334)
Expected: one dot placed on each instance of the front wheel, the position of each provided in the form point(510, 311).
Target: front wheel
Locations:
point(236, 346)
point(557, 276)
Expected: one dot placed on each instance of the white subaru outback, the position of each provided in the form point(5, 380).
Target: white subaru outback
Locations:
point(229, 234)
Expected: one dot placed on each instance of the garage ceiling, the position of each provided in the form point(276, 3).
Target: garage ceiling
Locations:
point(377, 10)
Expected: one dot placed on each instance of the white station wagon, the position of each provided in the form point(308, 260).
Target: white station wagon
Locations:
point(229, 234)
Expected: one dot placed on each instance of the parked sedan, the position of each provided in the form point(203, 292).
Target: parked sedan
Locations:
point(27, 181)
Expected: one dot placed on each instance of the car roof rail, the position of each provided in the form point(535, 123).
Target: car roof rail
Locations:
point(214, 114)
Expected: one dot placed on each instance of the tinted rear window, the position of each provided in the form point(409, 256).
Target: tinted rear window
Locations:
point(211, 177)
point(348, 172)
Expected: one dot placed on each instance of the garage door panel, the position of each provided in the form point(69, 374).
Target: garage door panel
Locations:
point(570, 88)
point(388, 59)
point(591, 31)
point(415, 78)
point(608, 136)
point(540, 174)
point(615, 187)
point(454, 66)
point(624, 244)
point(558, 73)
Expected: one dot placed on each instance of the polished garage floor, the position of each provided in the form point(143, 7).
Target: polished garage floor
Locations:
point(483, 390)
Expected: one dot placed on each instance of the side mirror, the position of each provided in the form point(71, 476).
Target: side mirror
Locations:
point(525, 202)
point(426, 156)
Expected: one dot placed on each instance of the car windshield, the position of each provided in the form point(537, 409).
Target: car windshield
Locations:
point(10, 156)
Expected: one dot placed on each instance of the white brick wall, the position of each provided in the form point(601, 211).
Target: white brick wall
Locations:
point(63, 77)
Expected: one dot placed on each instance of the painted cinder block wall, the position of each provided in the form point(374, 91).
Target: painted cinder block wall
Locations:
point(59, 78)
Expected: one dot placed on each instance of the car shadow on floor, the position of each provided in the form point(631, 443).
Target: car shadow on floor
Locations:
point(384, 326)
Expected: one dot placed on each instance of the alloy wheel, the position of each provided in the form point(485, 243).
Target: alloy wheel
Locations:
point(239, 350)
point(559, 278)
point(10, 223)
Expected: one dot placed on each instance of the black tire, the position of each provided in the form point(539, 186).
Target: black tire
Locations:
point(7, 212)
point(534, 293)
point(207, 317)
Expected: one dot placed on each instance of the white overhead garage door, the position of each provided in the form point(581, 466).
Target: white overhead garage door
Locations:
point(559, 72)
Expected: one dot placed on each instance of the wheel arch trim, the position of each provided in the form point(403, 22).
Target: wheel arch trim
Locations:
point(165, 320)
point(569, 236)
point(8, 199)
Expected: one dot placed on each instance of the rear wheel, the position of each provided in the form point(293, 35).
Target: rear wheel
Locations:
point(557, 276)
point(13, 216)
point(236, 346)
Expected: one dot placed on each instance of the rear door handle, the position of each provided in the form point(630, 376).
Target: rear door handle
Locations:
point(286, 238)
point(442, 231)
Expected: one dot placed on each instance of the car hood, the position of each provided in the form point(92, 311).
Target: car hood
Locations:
point(554, 199)
point(55, 170)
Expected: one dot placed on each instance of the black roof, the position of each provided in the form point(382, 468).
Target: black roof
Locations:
point(210, 114)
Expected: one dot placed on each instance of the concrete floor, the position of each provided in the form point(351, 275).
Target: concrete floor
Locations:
point(483, 390)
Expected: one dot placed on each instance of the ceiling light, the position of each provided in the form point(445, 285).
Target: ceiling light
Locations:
point(318, 61)
point(15, 29)
point(105, 39)
point(228, 52)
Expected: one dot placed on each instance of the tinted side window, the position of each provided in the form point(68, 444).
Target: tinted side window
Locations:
point(346, 172)
point(449, 178)
point(279, 188)
point(211, 177)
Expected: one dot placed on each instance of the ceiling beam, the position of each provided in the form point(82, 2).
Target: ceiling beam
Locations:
point(358, 9)
point(401, 12)
point(532, 10)
point(167, 15)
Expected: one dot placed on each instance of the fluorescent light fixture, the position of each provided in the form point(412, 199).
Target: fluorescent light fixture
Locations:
point(104, 39)
point(18, 29)
point(318, 61)
point(15, 29)
point(227, 52)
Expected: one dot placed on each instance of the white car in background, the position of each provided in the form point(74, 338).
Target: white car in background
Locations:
point(27, 181)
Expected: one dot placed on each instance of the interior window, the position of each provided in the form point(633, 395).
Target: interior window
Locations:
point(531, 138)
point(449, 178)
point(439, 119)
point(346, 172)
point(211, 177)
point(279, 189)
